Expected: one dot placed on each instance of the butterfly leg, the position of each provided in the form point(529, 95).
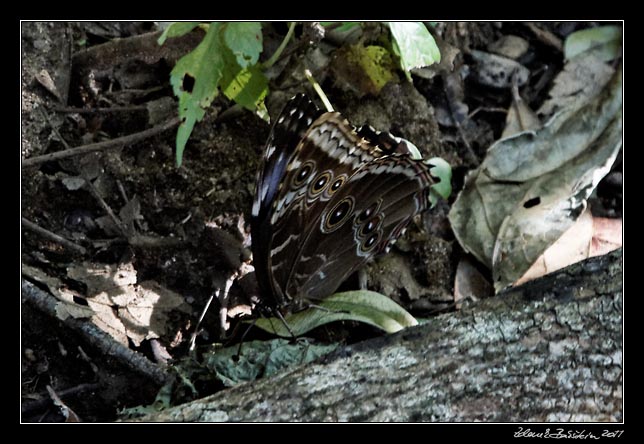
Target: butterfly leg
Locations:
point(288, 327)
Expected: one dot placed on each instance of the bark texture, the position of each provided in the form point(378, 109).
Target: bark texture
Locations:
point(550, 350)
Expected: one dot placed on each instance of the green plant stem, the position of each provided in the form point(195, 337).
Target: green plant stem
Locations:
point(276, 55)
point(318, 89)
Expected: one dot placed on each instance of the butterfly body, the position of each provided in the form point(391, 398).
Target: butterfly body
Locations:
point(328, 198)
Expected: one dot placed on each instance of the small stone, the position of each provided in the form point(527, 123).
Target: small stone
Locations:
point(509, 46)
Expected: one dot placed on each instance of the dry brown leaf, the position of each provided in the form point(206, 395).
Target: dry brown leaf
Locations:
point(66, 306)
point(69, 414)
point(123, 308)
point(581, 78)
point(520, 117)
point(47, 82)
point(532, 187)
point(469, 283)
point(607, 235)
point(588, 237)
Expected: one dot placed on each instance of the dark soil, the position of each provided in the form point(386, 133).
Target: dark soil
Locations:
point(196, 215)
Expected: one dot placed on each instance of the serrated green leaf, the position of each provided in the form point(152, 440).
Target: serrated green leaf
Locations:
point(248, 88)
point(415, 46)
point(177, 29)
point(245, 41)
point(442, 171)
point(261, 359)
point(204, 65)
point(362, 306)
point(603, 41)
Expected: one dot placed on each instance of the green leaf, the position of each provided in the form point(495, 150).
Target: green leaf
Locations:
point(362, 306)
point(245, 41)
point(442, 171)
point(248, 88)
point(261, 359)
point(204, 65)
point(415, 46)
point(603, 41)
point(177, 29)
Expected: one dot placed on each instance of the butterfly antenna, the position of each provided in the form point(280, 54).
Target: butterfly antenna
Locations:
point(276, 55)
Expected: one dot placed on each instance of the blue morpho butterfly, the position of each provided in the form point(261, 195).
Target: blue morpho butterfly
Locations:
point(328, 198)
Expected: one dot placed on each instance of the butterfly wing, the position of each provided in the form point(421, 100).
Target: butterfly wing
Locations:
point(328, 198)
point(327, 154)
point(287, 132)
point(362, 220)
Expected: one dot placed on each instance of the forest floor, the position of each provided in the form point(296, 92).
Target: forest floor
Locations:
point(133, 219)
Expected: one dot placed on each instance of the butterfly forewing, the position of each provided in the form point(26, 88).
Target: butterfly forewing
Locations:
point(287, 132)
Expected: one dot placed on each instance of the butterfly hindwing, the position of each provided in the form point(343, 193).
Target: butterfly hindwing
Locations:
point(362, 220)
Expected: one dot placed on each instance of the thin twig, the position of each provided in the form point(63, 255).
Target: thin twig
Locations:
point(545, 36)
point(106, 208)
point(122, 191)
point(53, 236)
point(87, 359)
point(318, 89)
point(193, 337)
point(108, 144)
point(223, 311)
point(95, 336)
point(489, 109)
point(143, 241)
point(276, 55)
point(54, 129)
point(113, 109)
point(65, 410)
point(29, 408)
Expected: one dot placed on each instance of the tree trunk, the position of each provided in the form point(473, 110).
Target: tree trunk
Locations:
point(549, 350)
